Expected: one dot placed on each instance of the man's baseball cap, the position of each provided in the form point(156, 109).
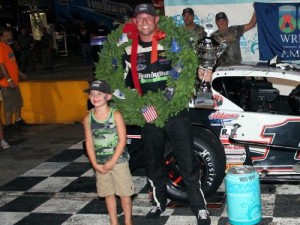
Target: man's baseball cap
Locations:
point(99, 85)
point(189, 11)
point(145, 8)
point(221, 15)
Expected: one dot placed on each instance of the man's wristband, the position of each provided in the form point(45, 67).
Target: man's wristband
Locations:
point(9, 80)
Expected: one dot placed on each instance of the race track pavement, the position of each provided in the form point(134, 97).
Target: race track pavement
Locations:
point(62, 191)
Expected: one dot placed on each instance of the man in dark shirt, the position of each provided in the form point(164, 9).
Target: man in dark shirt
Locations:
point(188, 18)
point(47, 49)
point(25, 46)
point(84, 38)
point(231, 36)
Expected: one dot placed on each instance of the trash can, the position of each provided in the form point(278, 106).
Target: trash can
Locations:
point(243, 195)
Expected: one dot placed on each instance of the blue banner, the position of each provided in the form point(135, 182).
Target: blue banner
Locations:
point(278, 26)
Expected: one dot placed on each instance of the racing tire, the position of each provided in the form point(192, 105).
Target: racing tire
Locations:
point(212, 163)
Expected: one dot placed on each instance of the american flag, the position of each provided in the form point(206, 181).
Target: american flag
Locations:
point(149, 113)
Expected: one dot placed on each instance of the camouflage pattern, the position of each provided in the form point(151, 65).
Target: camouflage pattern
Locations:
point(105, 139)
point(232, 54)
point(199, 30)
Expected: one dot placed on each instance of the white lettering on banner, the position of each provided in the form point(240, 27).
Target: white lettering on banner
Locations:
point(292, 38)
point(153, 75)
point(290, 53)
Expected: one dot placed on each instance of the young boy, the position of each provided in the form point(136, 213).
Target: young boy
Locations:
point(105, 135)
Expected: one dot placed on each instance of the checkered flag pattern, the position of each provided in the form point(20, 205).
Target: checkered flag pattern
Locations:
point(62, 191)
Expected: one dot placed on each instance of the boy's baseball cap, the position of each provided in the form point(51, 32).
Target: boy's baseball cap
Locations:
point(99, 85)
point(145, 8)
point(221, 15)
point(189, 11)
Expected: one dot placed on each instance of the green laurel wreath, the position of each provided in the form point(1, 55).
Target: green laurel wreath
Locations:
point(110, 68)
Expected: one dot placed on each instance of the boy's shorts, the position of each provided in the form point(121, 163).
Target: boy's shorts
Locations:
point(117, 181)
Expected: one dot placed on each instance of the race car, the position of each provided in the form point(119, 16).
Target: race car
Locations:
point(254, 120)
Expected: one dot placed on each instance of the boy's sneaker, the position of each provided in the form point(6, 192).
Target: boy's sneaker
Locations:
point(4, 144)
point(154, 213)
point(203, 217)
point(20, 123)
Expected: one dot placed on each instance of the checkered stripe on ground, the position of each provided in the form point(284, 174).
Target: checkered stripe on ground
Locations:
point(62, 190)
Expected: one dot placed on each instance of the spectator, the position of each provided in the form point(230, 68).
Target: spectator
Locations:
point(177, 128)
point(84, 37)
point(12, 98)
point(231, 36)
point(25, 47)
point(188, 18)
point(3, 144)
point(101, 30)
point(47, 49)
point(105, 135)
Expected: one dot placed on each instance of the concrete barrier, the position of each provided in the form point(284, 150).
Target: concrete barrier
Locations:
point(54, 101)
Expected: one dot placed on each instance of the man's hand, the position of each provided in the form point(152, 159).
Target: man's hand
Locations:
point(205, 74)
point(11, 83)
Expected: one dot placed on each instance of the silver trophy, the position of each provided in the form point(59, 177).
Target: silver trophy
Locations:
point(208, 51)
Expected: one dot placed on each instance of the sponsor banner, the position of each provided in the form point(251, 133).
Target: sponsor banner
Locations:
point(278, 30)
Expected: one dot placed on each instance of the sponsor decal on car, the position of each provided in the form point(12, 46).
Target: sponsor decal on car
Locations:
point(222, 118)
point(225, 132)
point(234, 149)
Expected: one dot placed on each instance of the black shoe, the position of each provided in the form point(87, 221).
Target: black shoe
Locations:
point(154, 213)
point(11, 128)
point(20, 123)
point(203, 217)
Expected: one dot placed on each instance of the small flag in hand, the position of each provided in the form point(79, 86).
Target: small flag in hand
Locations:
point(149, 113)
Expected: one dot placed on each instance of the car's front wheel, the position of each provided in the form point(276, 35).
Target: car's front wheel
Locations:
point(211, 159)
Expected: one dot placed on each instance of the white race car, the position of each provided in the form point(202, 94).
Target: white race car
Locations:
point(255, 120)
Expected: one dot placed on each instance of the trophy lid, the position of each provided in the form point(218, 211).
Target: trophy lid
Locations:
point(207, 43)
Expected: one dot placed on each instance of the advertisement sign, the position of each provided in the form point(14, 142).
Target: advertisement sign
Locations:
point(278, 30)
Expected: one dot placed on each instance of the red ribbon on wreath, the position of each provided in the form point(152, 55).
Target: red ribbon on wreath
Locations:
point(132, 33)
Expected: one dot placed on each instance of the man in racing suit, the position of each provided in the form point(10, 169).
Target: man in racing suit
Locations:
point(152, 77)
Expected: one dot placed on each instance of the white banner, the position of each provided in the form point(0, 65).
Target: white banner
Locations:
point(239, 12)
